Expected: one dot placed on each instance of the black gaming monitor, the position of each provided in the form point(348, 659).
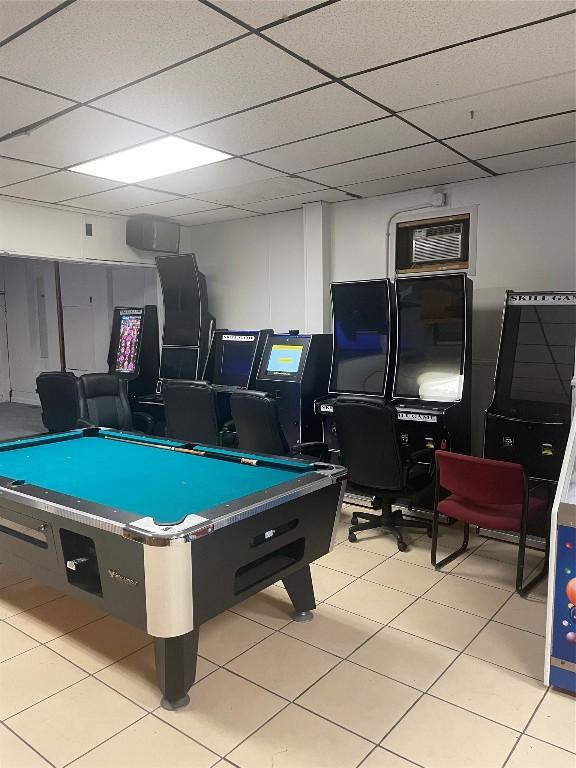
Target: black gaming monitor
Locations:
point(179, 363)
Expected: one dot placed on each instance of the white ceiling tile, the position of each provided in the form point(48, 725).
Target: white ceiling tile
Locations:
point(402, 161)
point(26, 106)
point(227, 173)
point(178, 207)
point(92, 47)
point(351, 35)
point(77, 136)
point(533, 158)
point(59, 186)
point(538, 133)
point(370, 139)
point(119, 199)
point(209, 217)
point(527, 54)
point(260, 12)
point(281, 186)
point(416, 180)
point(235, 77)
point(291, 202)
point(498, 107)
point(12, 171)
point(16, 15)
point(297, 117)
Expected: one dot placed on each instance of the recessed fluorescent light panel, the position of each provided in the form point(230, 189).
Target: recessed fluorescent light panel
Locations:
point(147, 161)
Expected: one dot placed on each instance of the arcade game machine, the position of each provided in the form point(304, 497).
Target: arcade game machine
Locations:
point(233, 362)
point(528, 420)
point(362, 352)
point(432, 381)
point(560, 654)
point(133, 354)
point(294, 369)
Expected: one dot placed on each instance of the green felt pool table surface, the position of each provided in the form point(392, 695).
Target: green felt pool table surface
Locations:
point(140, 475)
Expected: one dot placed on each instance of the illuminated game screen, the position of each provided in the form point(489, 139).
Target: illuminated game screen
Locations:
point(431, 338)
point(284, 359)
point(128, 343)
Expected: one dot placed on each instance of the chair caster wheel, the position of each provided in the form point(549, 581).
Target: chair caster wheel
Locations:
point(402, 546)
point(352, 537)
point(354, 521)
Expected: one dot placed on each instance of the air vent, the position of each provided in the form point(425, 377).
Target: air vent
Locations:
point(432, 244)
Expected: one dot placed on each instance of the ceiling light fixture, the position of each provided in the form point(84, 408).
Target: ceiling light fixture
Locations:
point(147, 161)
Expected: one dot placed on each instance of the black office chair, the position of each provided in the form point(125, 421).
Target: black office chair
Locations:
point(370, 449)
point(191, 410)
point(104, 403)
point(258, 428)
point(59, 395)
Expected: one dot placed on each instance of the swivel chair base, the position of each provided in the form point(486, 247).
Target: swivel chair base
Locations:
point(389, 521)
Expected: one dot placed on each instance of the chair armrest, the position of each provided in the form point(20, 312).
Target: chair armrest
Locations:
point(317, 450)
point(143, 422)
point(425, 455)
point(84, 424)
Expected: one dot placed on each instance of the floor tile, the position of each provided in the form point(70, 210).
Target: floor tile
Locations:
point(351, 560)
point(224, 710)
point(15, 754)
point(382, 544)
point(135, 677)
point(404, 576)
point(360, 700)
point(271, 607)
point(49, 621)
point(75, 720)
point(228, 635)
point(13, 642)
point(298, 739)
point(31, 677)
point(403, 657)
point(9, 576)
point(435, 734)
point(523, 613)
point(283, 665)
point(101, 643)
point(491, 691)
point(382, 758)
point(333, 630)
point(467, 595)
point(555, 719)
point(495, 573)
point(531, 753)
point(371, 600)
point(507, 552)
point(23, 596)
point(449, 539)
point(149, 743)
point(439, 623)
point(327, 582)
point(511, 648)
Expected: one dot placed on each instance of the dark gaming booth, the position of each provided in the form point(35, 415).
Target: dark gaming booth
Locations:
point(294, 370)
point(133, 354)
point(528, 420)
point(362, 352)
point(431, 390)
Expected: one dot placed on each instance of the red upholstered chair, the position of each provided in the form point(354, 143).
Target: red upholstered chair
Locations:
point(488, 494)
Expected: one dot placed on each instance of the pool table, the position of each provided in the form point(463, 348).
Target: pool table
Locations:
point(164, 534)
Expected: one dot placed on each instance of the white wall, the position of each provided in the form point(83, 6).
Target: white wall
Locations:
point(525, 241)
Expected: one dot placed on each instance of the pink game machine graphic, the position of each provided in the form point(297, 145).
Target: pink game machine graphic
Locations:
point(133, 354)
point(128, 341)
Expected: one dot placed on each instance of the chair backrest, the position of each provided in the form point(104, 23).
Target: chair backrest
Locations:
point(369, 447)
point(483, 481)
point(257, 423)
point(105, 400)
point(59, 395)
point(191, 410)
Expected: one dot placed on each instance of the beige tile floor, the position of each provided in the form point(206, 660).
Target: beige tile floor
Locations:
point(402, 667)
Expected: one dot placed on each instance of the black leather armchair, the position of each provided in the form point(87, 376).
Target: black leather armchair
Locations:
point(191, 410)
point(59, 394)
point(104, 403)
point(370, 449)
point(258, 427)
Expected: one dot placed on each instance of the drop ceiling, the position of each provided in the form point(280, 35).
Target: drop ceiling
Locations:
point(331, 100)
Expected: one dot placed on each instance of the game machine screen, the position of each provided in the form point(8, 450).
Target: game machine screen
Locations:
point(129, 337)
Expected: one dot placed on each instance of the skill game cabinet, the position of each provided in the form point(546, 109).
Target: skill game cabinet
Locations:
point(362, 351)
point(560, 670)
point(133, 354)
point(431, 390)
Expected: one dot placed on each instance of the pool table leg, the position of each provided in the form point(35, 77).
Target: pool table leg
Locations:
point(301, 592)
point(176, 668)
